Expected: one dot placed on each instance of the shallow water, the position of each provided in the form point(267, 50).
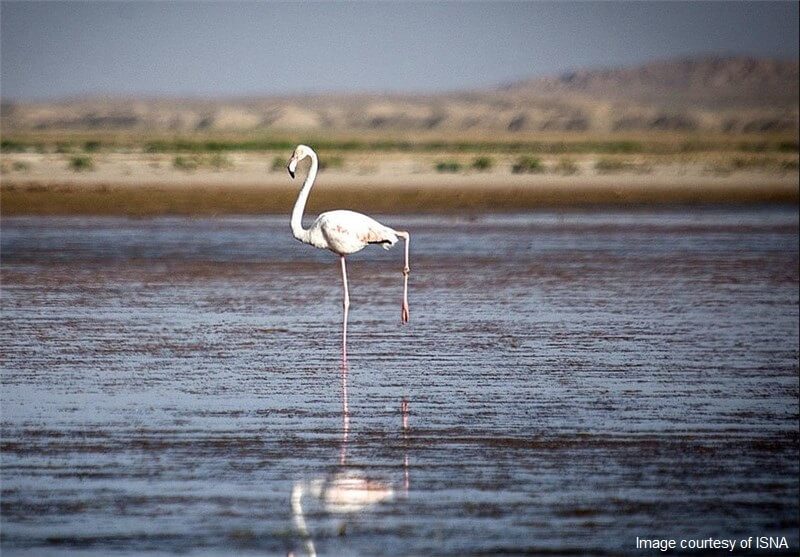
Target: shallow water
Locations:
point(573, 380)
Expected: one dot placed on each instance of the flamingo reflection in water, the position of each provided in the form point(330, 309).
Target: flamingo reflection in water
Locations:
point(347, 491)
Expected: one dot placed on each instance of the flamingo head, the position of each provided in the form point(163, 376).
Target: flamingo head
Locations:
point(300, 152)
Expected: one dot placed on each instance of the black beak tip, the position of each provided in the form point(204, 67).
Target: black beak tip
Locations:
point(291, 173)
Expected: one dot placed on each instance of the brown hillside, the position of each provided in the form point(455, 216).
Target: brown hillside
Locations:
point(714, 94)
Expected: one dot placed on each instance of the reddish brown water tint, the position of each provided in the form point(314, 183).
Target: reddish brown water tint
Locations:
point(573, 381)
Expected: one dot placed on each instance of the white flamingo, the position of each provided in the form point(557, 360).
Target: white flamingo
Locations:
point(342, 232)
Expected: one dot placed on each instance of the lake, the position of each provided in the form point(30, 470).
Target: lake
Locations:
point(568, 382)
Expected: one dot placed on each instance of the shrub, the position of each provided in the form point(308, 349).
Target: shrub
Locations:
point(528, 165)
point(741, 163)
point(12, 146)
point(482, 164)
point(331, 162)
point(607, 166)
point(91, 146)
point(567, 167)
point(278, 164)
point(448, 166)
point(218, 161)
point(718, 168)
point(763, 163)
point(189, 163)
point(186, 163)
point(81, 163)
point(20, 166)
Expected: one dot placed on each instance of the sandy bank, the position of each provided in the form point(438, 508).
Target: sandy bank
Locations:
point(140, 184)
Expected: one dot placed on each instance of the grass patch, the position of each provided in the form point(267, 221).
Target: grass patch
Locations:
point(186, 163)
point(205, 146)
point(753, 163)
point(13, 146)
point(448, 166)
point(325, 163)
point(334, 162)
point(482, 164)
point(767, 146)
point(190, 163)
point(528, 165)
point(20, 166)
point(560, 144)
point(219, 161)
point(278, 164)
point(267, 144)
point(81, 163)
point(607, 165)
point(566, 167)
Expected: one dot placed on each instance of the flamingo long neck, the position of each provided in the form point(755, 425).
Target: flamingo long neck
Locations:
point(300, 205)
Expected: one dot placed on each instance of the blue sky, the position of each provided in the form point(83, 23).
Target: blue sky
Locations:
point(57, 49)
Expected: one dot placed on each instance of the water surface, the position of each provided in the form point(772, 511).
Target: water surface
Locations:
point(573, 380)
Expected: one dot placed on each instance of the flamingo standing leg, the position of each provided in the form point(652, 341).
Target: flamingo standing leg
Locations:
point(346, 306)
point(345, 418)
point(404, 313)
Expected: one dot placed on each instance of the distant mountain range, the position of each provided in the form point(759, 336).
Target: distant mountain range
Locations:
point(711, 93)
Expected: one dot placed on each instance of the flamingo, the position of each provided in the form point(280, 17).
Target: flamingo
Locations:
point(342, 232)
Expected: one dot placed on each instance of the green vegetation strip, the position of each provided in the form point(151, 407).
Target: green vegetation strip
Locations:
point(194, 145)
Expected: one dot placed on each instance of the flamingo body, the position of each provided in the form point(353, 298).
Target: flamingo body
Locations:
point(344, 232)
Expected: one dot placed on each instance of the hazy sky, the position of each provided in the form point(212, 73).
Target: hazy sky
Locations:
point(53, 49)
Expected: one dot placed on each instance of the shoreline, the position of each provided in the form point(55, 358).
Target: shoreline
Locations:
point(214, 198)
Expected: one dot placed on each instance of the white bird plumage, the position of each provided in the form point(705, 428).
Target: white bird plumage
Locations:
point(342, 232)
point(345, 232)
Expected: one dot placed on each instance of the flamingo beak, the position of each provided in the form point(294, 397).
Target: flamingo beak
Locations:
point(292, 166)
